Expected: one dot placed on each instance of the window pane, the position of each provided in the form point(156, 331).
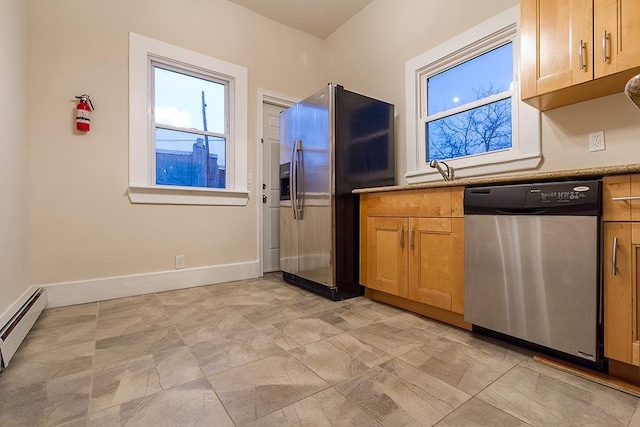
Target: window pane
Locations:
point(189, 102)
point(181, 159)
point(475, 79)
point(482, 129)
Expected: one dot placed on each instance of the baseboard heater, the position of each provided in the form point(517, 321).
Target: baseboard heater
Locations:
point(13, 333)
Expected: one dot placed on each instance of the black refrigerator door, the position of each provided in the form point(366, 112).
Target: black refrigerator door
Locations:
point(364, 157)
point(365, 142)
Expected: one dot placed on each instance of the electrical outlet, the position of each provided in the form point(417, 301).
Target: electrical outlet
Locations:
point(596, 141)
point(180, 262)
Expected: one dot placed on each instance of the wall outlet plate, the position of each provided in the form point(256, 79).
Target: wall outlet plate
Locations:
point(180, 262)
point(596, 141)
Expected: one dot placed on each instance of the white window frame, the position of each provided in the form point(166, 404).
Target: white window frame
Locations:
point(142, 187)
point(525, 152)
point(188, 71)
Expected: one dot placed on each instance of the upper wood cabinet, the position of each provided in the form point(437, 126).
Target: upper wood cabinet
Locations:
point(616, 36)
point(575, 50)
point(556, 36)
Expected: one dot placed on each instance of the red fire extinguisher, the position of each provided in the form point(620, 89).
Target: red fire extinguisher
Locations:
point(84, 107)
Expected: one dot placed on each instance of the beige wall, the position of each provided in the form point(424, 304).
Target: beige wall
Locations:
point(13, 152)
point(565, 133)
point(369, 52)
point(82, 223)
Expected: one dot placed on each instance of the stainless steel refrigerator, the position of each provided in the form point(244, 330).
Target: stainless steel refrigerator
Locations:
point(331, 143)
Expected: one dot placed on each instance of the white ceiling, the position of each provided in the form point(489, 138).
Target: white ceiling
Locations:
point(316, 17)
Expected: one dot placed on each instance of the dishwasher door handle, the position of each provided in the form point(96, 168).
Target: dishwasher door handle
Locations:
point(614, 256)
point(523, 211)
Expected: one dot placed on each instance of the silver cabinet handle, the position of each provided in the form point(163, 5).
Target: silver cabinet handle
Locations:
point(402, 236)
point(622, 199)
point(581, 48)
point(614, 256)
point(605, 57)
point(411, 238)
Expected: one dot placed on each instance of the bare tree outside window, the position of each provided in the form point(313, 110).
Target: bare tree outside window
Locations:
point(480, 130)
point(485, 81)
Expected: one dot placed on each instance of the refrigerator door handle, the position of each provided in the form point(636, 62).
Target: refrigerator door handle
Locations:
point(299, 202)
point(292, 178)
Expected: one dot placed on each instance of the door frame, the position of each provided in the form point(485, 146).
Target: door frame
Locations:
point(279, 100)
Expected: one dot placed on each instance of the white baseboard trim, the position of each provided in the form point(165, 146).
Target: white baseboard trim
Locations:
point(83, 291)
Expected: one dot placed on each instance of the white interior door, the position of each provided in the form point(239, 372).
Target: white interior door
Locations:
point(271, 187)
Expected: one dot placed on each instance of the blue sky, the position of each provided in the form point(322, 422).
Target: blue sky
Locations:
point(178, 102)
point(458, 85)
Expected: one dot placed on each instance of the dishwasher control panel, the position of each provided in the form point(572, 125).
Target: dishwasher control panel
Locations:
point(551, 198)
point(562, 194)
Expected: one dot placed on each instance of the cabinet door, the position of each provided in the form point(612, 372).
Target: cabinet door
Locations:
point(617, 36)
point(436, 262)
point(387, 255)
point(621, 250)
point(557, 37)
point(621, 198)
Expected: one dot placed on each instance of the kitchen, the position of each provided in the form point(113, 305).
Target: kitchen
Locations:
point(67, 227)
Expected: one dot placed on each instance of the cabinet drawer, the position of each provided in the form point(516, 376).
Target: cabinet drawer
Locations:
point(621, 198)
point(433, 202)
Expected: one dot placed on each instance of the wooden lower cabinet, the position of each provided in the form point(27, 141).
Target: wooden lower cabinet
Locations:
point(421, 259)
point(416, 262)
point(387, 263)
point(436, 262)
point(621, 298)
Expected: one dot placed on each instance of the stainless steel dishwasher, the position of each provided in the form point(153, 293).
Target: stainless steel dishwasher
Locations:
point(532, 264)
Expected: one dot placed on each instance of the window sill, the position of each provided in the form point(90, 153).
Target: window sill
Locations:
point(174, 195)
point(498, 167)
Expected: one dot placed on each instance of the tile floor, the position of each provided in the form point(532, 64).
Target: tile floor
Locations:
point(263, 353)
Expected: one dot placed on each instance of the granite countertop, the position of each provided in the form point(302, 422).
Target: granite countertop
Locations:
point(510, 179)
